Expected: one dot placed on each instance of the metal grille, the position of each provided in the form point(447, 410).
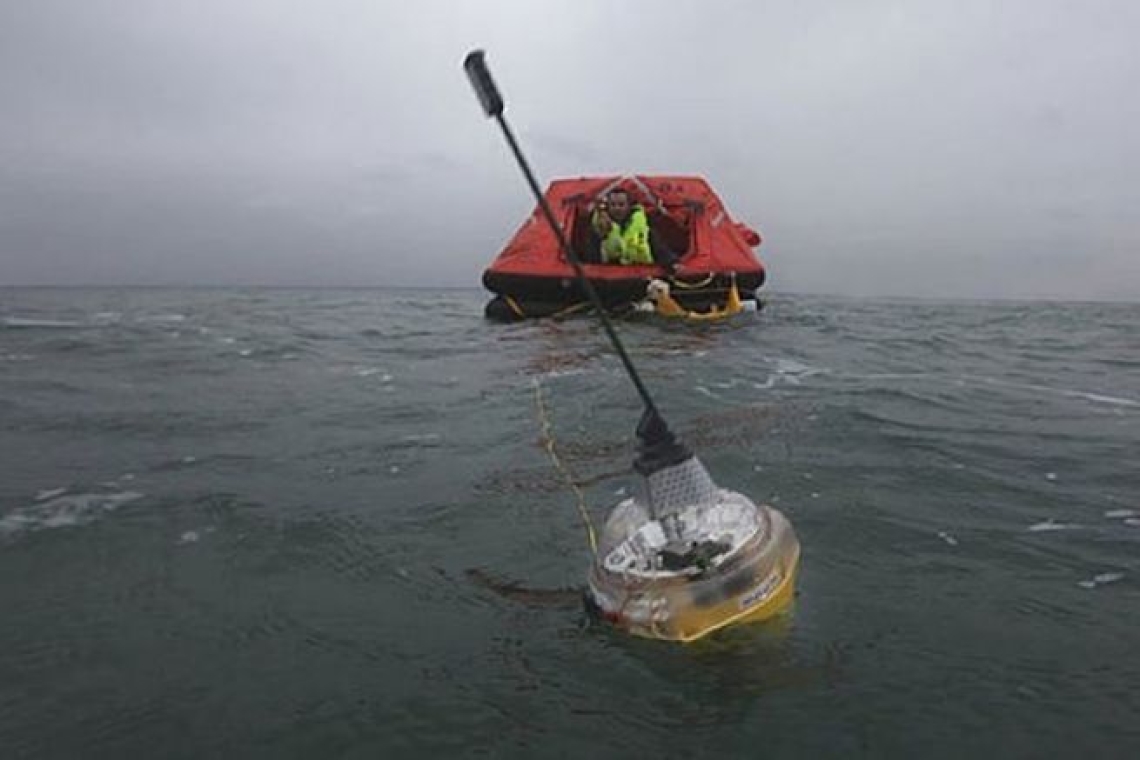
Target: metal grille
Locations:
point(684, 485)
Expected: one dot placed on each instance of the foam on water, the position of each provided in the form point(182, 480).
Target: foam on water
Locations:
point(1101, 579)
point(161, 319)
point(794, 371)
point(33, 323)
point(1051, 525)
point(64, 511)
point(194, 536)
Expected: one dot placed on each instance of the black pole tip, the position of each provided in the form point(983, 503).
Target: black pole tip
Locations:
point(475, 64)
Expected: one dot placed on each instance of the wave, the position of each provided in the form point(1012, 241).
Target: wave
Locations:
point(1096, 397)
point(1099, 398)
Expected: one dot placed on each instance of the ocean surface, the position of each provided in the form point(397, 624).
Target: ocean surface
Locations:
point(289, 523)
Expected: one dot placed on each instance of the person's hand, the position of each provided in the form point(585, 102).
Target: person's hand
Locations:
point(603, 223)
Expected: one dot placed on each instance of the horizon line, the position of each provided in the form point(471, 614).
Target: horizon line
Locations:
point(478, 288)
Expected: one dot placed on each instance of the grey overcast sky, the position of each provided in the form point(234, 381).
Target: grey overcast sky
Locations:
point(917, 147)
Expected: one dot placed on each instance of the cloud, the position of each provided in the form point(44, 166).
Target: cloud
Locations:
point(965, 149)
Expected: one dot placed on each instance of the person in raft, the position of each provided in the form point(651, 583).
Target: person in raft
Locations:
point(623, 232)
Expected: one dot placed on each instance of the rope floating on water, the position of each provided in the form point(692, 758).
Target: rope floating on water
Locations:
point(563, 470)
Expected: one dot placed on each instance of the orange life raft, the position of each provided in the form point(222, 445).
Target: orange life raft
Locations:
point(531, 277)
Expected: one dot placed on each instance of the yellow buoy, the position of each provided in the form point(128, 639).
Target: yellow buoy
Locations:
point(678, 566)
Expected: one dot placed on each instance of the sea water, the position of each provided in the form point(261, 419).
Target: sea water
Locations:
point(260, 523)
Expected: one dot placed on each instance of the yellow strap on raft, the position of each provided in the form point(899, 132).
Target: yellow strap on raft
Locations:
point(515, 307)
point(692, 285)
point(667, 306)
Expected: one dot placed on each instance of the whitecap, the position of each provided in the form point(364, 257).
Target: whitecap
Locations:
point(1101, 579)
point(194, 536)
point(793, 368)
point(702, 389)
point(33, 322)
point(947, 538)
point(64, 511)
point(1048, 525)
point(163, 318)
point(1116, 514)
point(50, 493)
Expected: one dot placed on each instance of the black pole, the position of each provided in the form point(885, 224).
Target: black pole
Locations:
point(573, 258)
point(659, 448)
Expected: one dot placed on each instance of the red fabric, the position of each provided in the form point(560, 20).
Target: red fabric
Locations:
point(718, 243)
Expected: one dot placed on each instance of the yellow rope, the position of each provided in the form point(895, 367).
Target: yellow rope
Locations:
point(573, 308)
point(548, 444)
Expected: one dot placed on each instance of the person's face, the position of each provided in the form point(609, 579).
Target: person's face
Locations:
point(619, 206)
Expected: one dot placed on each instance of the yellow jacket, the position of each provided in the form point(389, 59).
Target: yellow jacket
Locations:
point(627, 243)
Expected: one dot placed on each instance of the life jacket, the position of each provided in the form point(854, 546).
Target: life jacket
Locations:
point(628, 243)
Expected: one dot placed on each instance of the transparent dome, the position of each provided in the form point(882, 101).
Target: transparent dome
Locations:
point(687, 557)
